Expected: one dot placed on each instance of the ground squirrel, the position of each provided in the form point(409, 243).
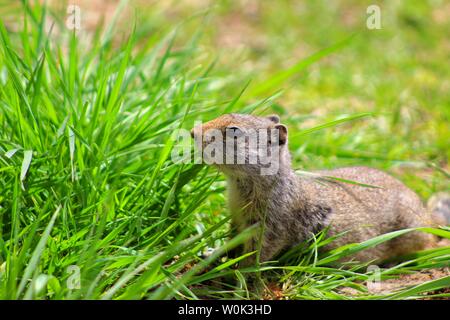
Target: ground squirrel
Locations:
point(294, 207)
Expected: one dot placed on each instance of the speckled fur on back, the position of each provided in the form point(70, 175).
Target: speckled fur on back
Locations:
point(292, 208)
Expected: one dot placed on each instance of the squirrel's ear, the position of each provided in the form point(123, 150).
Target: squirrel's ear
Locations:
point(282, 133)
point(274, 118)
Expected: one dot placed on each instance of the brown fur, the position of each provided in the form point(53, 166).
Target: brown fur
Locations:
point(293, 207)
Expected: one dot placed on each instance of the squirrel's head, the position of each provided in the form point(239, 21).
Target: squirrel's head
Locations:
point(241, 144)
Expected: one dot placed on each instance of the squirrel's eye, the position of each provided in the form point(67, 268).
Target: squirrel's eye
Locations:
point(235, 131)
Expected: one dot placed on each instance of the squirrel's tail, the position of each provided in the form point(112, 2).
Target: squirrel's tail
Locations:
point(439, 207)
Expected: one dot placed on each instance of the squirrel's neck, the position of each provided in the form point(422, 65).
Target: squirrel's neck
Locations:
point(255, 195)
point(280, 201)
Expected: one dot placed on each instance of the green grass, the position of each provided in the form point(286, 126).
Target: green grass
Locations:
point(86, 133)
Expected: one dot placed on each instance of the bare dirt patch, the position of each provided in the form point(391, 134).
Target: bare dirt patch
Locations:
point(404, 281)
